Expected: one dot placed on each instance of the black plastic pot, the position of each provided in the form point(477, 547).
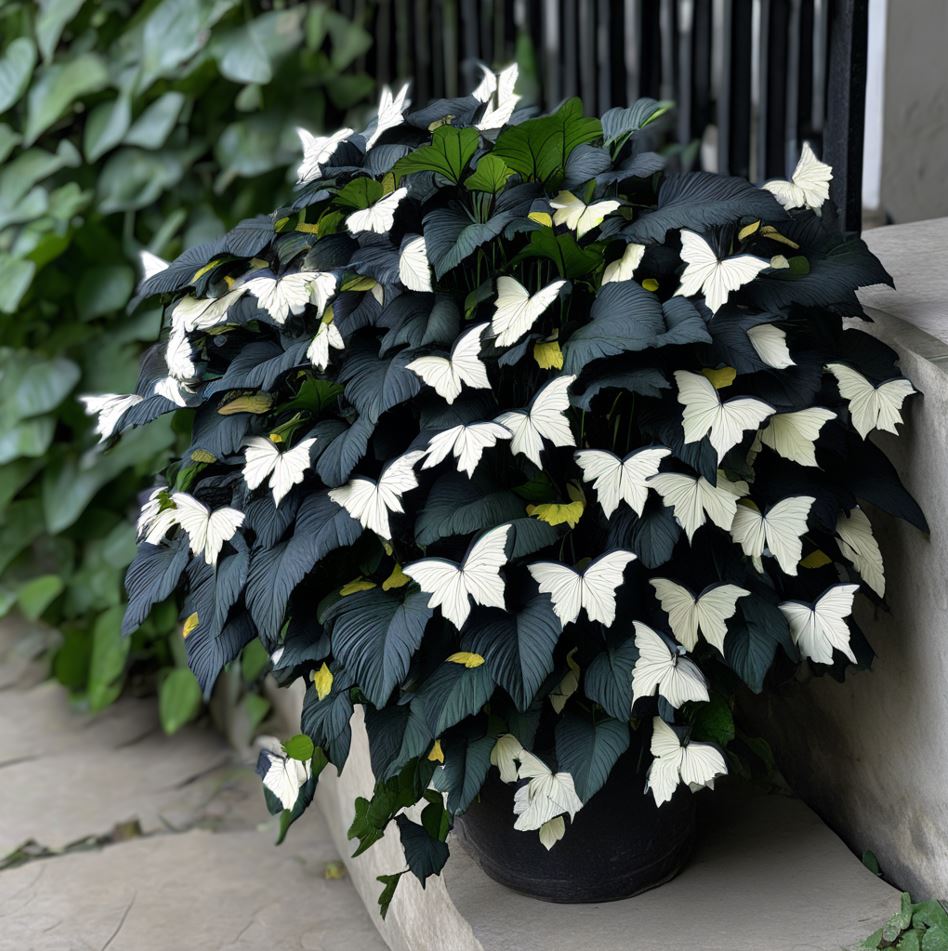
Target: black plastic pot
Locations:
point(620, 843)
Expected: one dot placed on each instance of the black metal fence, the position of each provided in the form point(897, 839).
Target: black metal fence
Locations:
point(752, 79)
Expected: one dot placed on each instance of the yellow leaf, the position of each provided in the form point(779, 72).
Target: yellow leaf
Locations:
point(322, 681)
point(190, 623)
point(388, 183)
point(202, 455)
point(816, 559)
point(722, 377)
point(779, 262)
point(397, 579)
point(387, 547)
point(769, 231)
point(359, 284)
point(328, 315)
point(444, 120)
point(333, 871)
point(257, 264)
point(548, 355)
point(541, 218)
point(436, 754)
point(200, 272)
point(358, 584)
point(280, 224)
point(467, 659)
point(650, 284)
point(229, 281)
point(307, 228)
point(558, 513)
point(748, 230)
point(275, 437)
point(567, 686)
point(255, 403)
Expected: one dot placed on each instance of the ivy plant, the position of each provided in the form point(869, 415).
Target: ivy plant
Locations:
point(520, 443)
point(124, 126)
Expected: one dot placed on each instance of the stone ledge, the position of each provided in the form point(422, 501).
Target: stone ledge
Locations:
point(766, 874)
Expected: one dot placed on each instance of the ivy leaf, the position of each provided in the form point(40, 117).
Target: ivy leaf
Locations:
point(449, 153)
point(151, 577)
point(624, 317)
point(375, 385)
point(608, 678)
point(466, 763)
point(457, 505)
point(517, 648)
point(539, 148)
point(374, 634)
point(570, 259)
point(490, 175)
point(321, 527)
point(588, 750)
point(451, 236)
point(698, 200)
point(425, 854)
point(388, 892)
point(453, 692)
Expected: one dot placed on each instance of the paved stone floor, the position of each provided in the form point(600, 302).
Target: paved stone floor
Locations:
point(114, 837)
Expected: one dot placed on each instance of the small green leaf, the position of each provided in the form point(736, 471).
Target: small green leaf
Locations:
point(490, 175)
point(36, 595)
point(449, 153)
point(714, 721)
point(179, 700)
point(107, 663)
point(388, 892)
point(106, 126)
point(154, 125)
point(300, 747)
point(57, 86)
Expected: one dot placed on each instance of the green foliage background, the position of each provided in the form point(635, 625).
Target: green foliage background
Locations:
point(124, 126)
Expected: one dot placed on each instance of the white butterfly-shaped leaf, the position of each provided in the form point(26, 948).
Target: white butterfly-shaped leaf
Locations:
point(821, 628)
point(283, 775)
point(452, 587)
point(694, 500)
point(284, 469)
point(577, 215)
point(871, 407)
point(808, 186)
point(156, 519)
point(466, 442)
point(505, 755)
point(545, 796)
point(193, 313)
point(551, 832)
point(151, 264)
point(696, 764)
point(618, 480)
point(724, 423)
point(780, 531)
point(179, 355)
point(378, 218)
point(593, 589)
point(674, 676)
point(327, 336)
point(500, 89)
point(390, 114)
point(370, 502)
point(709, 611)
point(624, 268)
point(706, 274)
point(207, 531)
point(770, 342)
point(317, 150)
point(545, 418)
point(859, 546)
point(290, 294)
point(793, 435)
point(516, 310)
point(464, 367)
point(108, 408)
point(172, 390)
point(414, 271)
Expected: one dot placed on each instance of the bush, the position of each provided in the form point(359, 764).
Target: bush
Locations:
point(127, 126)
point(521, 444)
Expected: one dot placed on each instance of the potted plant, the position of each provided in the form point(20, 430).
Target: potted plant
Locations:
point(536, 453)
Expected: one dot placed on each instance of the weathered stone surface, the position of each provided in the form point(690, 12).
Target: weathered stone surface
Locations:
point(871, 755)
point(766, 874)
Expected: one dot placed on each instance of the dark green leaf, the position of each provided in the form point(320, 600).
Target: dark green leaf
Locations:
point(490, 175)
point(449, 153)
point(457, 505)
point(608, 678)
point(390, 883)
point(451, 236)
point(570, 259)
point(465, 768)
point(454, 692)
point(425, 855)
point(588, 750)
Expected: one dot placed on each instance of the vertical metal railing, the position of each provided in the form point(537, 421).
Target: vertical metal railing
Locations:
point(753, 79)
